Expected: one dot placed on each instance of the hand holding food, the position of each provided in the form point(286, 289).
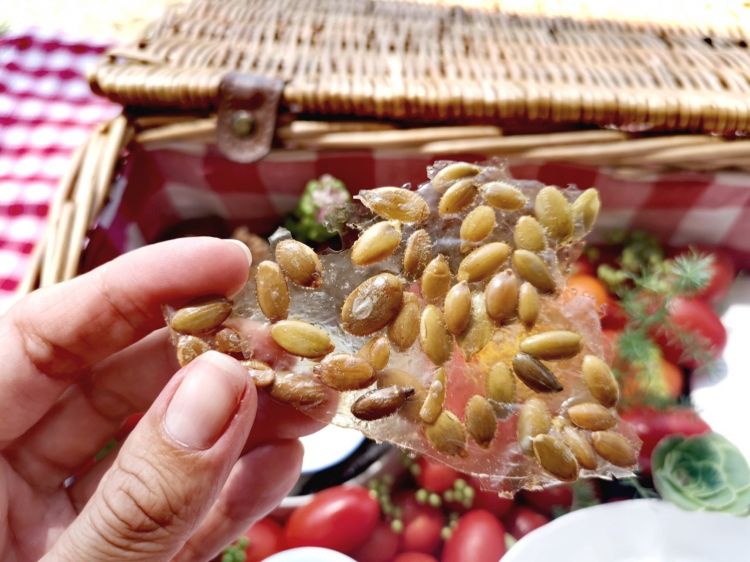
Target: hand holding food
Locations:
point(442, 328)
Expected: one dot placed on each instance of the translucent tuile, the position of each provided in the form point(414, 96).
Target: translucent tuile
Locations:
point(501, 466)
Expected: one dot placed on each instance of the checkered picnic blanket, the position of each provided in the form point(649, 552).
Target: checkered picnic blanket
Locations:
point(46, 111)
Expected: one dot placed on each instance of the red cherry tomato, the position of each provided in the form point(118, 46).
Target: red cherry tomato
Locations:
point(414, 557)
point(614, 316)
point(722, 273)
point(266, 537)
point(591, 286)
point(522, 520)
point(422, 533)
point(478, 537)
point(340, 518)
point(434, 476)
point(408, 504)
point(549, 500)
point(634, 389)
point(653, 425)
point(489, 501)
point(695, 317)
point(583, 266)
point(381, 546)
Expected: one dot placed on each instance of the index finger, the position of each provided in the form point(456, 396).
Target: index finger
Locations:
point(54, 335)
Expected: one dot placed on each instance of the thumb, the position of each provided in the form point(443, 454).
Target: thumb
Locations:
point(170, 469)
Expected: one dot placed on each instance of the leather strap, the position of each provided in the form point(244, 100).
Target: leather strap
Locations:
point(248, 106)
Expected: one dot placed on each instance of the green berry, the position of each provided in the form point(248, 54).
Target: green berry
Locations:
point(459, 484)
point(445, 533)
point(397, 526)
point(449, 495)
point(422, 495)
point(434, 500)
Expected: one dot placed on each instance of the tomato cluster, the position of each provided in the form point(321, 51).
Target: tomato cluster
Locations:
point(463, 523)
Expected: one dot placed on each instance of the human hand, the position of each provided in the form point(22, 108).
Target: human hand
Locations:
point(82, 356)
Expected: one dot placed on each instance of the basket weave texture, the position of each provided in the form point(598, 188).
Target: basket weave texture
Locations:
point(426, 62)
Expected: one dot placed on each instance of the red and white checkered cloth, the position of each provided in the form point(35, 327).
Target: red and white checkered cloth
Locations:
point(46, 111)
point(161, 187)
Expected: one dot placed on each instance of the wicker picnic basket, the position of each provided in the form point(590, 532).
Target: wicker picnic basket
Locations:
point(253, 76)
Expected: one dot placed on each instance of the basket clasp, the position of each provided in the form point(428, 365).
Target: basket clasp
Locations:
point(247, 110)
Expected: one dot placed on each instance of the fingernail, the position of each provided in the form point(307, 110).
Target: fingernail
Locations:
point(206, 400)
point(245, 249)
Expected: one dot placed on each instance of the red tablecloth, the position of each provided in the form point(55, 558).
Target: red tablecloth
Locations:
point(46, 111)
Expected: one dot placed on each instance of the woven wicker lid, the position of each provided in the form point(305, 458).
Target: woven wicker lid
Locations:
point(421, 62)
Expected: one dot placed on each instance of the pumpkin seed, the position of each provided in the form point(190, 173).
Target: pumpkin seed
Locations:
point(190, 347)
point(380, 402)
point(433, 402)
point(372, 305)
point(483, 262)
point(580, 446)
point(533, 269)
point(614, 448)
point(395, 203)
point(528, 304)
point(342, 371)
point(457, 197)
point(591, 416)
point(600, 381)
point(434, 337)
point(404, 329)
point(480, 330)
point(436, 279)
point(228, 341)
point(555, 344)
point(272, 292)
point(452, 172)
point(586, 208)
point(480, 420)
point(376, 243)
point(529, 235)
point(262, 374)
point(533, 419)
point(300, 263)
point(457, 308)
point(201, 315)
point(377, 351)
point(447, 435)
point(417, 254)
point(302, 339)
point(501, 296)
point(396, 377)
point(503, 195)
point(500, 385)
point(555, 457)
point(298, 389)
point(477, 225)
point(554, 212)
point(535, 374)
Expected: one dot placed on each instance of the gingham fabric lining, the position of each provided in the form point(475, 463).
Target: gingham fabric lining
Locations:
point(46, 111)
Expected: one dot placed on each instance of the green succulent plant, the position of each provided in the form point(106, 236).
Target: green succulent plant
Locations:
point(704, 472)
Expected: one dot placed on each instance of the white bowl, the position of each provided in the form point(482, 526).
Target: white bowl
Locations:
point(328, 446)
point(637, 531)
point(309, 554)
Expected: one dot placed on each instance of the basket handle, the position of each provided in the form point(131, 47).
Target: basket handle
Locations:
point(246, 118)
